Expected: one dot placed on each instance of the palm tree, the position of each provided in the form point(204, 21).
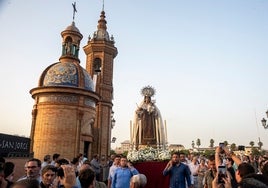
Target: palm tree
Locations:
point(251, 143)
point(260, 144)
point(233, 146)
point(211, 143)
point(198, 142)
point(193, 144)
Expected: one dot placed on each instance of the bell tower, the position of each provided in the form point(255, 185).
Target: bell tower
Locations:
point(100, 53)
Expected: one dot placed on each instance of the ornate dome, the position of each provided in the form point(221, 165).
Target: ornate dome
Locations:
point(66, 74)
point(72, 27)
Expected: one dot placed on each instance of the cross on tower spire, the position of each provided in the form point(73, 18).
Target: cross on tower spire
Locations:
point(102, 5)
point(74, 9)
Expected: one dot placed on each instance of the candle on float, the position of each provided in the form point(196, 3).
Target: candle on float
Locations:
point(166, 132)
point(156, 132)
point(131, 132)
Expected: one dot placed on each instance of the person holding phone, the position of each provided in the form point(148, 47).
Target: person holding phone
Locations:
point(221, 172)
point(245, 174)
point(226, 181)
point(123, 174)
point(210, 173)
point(178, 173)
point(229, 163)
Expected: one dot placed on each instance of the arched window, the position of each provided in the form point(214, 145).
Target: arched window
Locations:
point(67, 46)
point(97, 65)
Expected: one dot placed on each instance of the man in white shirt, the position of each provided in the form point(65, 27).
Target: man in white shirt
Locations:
point(112, 169)
point(194, 171)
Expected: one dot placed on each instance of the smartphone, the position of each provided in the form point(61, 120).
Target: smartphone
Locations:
point(221, 145)
point(222, 173)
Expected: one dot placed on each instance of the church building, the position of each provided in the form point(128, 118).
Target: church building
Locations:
point(73, 105)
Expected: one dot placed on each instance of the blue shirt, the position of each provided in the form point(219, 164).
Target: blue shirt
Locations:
point(178, 174)
point(122, 176)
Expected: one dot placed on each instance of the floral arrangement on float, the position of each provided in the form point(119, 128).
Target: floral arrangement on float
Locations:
point(148, 154)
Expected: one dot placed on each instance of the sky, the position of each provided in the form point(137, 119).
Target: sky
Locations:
point(207, 61)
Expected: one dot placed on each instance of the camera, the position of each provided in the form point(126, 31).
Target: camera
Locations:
point(221, 174)
point(241, 148)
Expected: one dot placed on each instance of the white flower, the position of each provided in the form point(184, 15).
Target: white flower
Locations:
point(148, 154)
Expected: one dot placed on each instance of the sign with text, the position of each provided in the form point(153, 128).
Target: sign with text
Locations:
point(13, 144)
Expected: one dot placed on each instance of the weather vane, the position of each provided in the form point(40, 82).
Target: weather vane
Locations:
point(74, 9)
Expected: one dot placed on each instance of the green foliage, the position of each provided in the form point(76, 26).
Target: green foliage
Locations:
point(192, 144)
point(255, 151)
point(198, 142)
point(211, 143)
point(251, 143)
point(208, 153)
point(233, 147)
point(112, 152)
point(125, 153)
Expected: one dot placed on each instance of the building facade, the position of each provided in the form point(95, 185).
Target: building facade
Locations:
point(73, 105)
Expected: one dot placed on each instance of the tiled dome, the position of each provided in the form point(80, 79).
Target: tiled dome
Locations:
point(66, 74)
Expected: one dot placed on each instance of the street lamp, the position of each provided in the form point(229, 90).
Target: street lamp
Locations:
point(263, 121)
point(113, 123)
point(112, 119)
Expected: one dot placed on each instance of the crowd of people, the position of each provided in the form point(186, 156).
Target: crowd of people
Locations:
point(224, 169)
point(57, 172)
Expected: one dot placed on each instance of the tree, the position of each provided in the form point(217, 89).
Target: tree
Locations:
point(193, 144)
point(251, 143)
point(233, 147)
point(198, 142)
point(208, 153)
point(211, 143)
point(260, 144)
point(255, 151)
point(225, 143)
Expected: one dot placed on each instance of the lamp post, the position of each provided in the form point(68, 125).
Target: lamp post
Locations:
point(263, 121)
point(112, 120)
point(113, 123)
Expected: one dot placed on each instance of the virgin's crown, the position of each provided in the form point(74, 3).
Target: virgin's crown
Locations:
point(148, 91)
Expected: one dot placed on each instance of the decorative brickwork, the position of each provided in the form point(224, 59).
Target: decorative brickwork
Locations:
point(64, 111)
point(102, 47)
point(72, 114)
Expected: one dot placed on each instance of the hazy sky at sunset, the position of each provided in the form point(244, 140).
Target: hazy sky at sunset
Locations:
point(207, 60)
